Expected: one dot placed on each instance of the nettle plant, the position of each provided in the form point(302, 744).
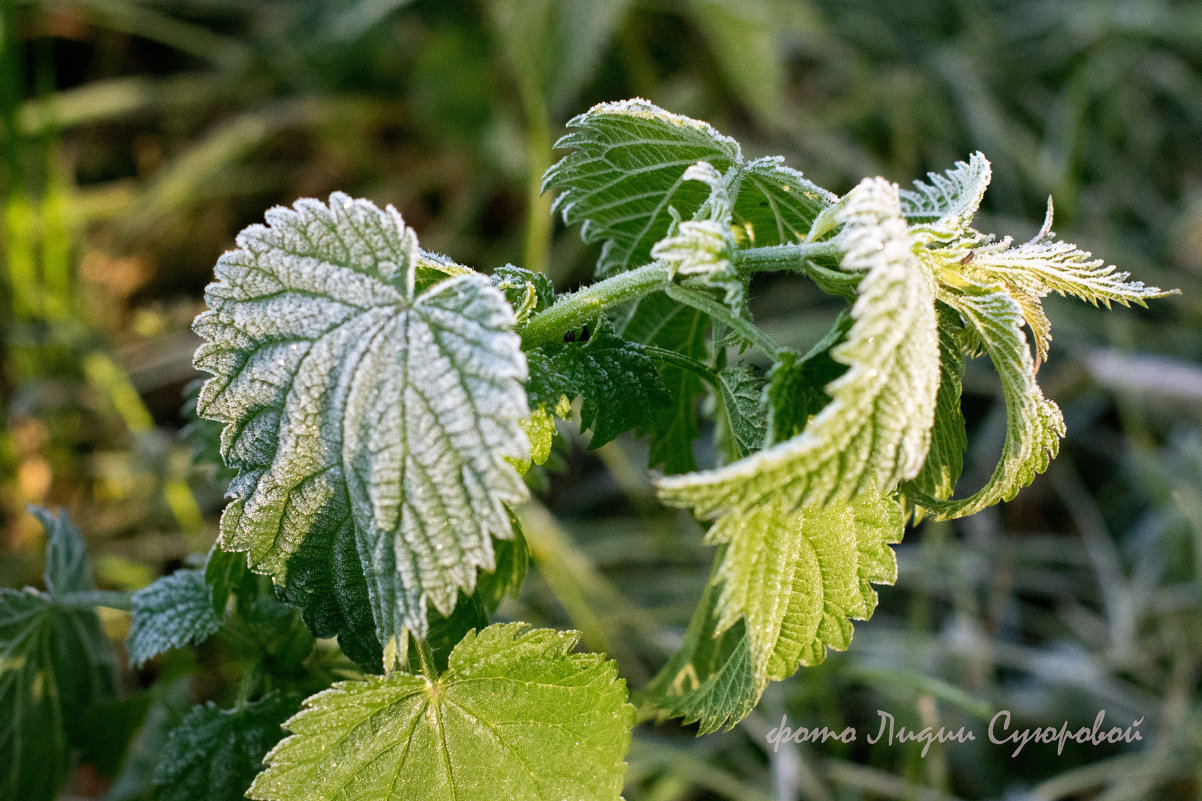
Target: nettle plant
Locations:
point(381, 404)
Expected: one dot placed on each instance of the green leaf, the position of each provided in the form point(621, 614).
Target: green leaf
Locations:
point(54, 663)
point(796, 389)
point(224, 573)
point(67, 567)
point(784, 587)
point(796, 578)
point(949, 439)
point(172, 612)
point(216, 753)
point(618, 381)
point(944, 208)
point(627, 173)
point(528, 292)
point(515, 715)
point(876, 429)
point(710, 680)
point(740, 398)
point(373, 401)
point(662, 322)
point(775, 204)
point(1034, 424)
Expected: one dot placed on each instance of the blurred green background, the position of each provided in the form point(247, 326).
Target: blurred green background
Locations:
point(138, 137)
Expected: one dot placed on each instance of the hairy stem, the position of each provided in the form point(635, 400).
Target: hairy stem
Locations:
point(580, 307)
point(577, 308)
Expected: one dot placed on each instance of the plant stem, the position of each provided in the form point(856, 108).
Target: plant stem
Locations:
point(425, 655)
point(776, 258)
point(88, 599)
point(744, 328)
point(580, 307)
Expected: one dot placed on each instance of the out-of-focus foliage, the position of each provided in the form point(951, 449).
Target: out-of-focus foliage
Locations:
point(137, 138)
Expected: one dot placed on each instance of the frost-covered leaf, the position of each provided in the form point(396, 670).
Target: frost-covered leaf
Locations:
point(515, 715)
point(627, 170)
point(67, 566)
point(740, 396)
point(1044, 265)
point(172, 612)
point(1034, 424)
point(710, 680)
point(776, 204)
point(704, 247)
point(877, 426)
point(796, 578)
point(54, 663)
point(949, 439)
point(373, 401)
point(618, 382)
point(216, 753)
point(944, 208)
point(528, 292)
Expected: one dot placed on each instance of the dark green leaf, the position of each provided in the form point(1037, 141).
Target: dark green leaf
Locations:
point(67, 566)
point(216, 753)
point(618, 381)
point(174, 611)
point(660, 321)
point(710, 680)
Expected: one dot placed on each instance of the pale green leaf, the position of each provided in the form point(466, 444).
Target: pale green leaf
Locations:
point(372, 398)
point(877, 426)
point(1045, 265)
point(944, 208)
point(516, 715)
point(949, 439)
point(216, 753)
point(796, 577)
point(1034, 424)
point(172, 612)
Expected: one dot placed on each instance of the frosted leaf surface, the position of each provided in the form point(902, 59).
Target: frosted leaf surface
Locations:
point(877, 425)
point(516, 715)
point(372, 396)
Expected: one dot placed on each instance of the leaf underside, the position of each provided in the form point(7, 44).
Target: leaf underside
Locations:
point(373, 403)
